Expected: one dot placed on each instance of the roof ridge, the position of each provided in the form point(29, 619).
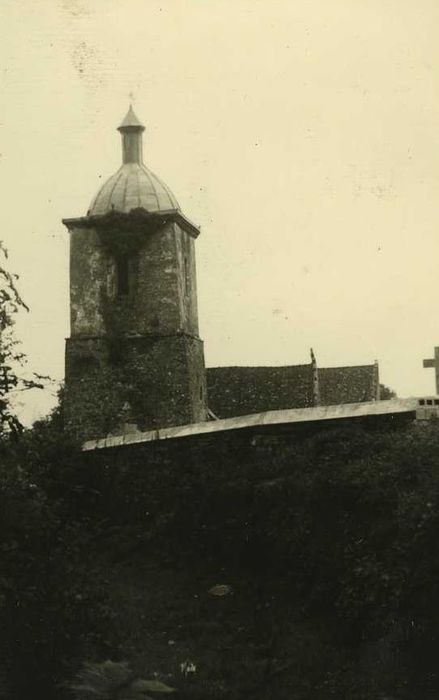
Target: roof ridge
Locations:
point(149, 174)
point(306, 364)
point(349, 367)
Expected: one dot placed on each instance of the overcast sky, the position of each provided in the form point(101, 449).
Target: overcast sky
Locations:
point(302, 136)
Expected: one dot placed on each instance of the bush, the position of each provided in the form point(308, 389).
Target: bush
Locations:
point(330, 543)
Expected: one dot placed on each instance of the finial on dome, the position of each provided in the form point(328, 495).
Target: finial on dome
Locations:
point(131, 130)
point(131, 121)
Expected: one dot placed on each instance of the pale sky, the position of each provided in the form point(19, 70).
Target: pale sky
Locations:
point(302, 136)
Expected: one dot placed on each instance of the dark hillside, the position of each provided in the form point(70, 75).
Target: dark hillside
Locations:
point(251, 568)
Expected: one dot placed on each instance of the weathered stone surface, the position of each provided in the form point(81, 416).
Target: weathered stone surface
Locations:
point(162, 285)
point(148, 381)
point(134, 356)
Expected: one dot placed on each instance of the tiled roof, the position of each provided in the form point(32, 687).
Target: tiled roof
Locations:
point(238, 391)
point(348, 384)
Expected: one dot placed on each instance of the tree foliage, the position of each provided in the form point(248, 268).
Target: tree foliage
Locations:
point(50, 597)
point(328, 543)
point(386, 393)
point(110, 680)
point(340, 525)
point(12, 358)
point(46, 595)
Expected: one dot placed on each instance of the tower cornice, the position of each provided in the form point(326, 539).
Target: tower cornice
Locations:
point(136, 217)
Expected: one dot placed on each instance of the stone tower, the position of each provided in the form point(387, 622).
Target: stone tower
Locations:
point(134, 359)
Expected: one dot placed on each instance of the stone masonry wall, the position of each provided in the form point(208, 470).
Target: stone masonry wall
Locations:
point(146, 382)
point(162, 296)
point(133, 358)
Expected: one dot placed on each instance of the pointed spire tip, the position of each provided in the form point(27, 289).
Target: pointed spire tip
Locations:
point(131, 121)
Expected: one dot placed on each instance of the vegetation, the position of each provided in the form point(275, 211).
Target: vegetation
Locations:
point(110, 680)
point(326, 555)
point(43, 577)
point(386, 393)
point(11, 357)
point(246, 567)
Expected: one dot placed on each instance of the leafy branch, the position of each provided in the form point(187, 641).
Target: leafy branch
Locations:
point(12, 359)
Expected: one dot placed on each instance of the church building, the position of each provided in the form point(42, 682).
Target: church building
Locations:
point(134, 358)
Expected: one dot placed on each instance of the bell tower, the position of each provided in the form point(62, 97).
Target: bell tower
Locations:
point(134, 359)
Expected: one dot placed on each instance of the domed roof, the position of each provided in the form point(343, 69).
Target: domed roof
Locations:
point(133, 186)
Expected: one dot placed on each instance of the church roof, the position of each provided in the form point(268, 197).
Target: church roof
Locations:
point(348, 384)
point(402, 409)
point(237, 391)
point(131, 187)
